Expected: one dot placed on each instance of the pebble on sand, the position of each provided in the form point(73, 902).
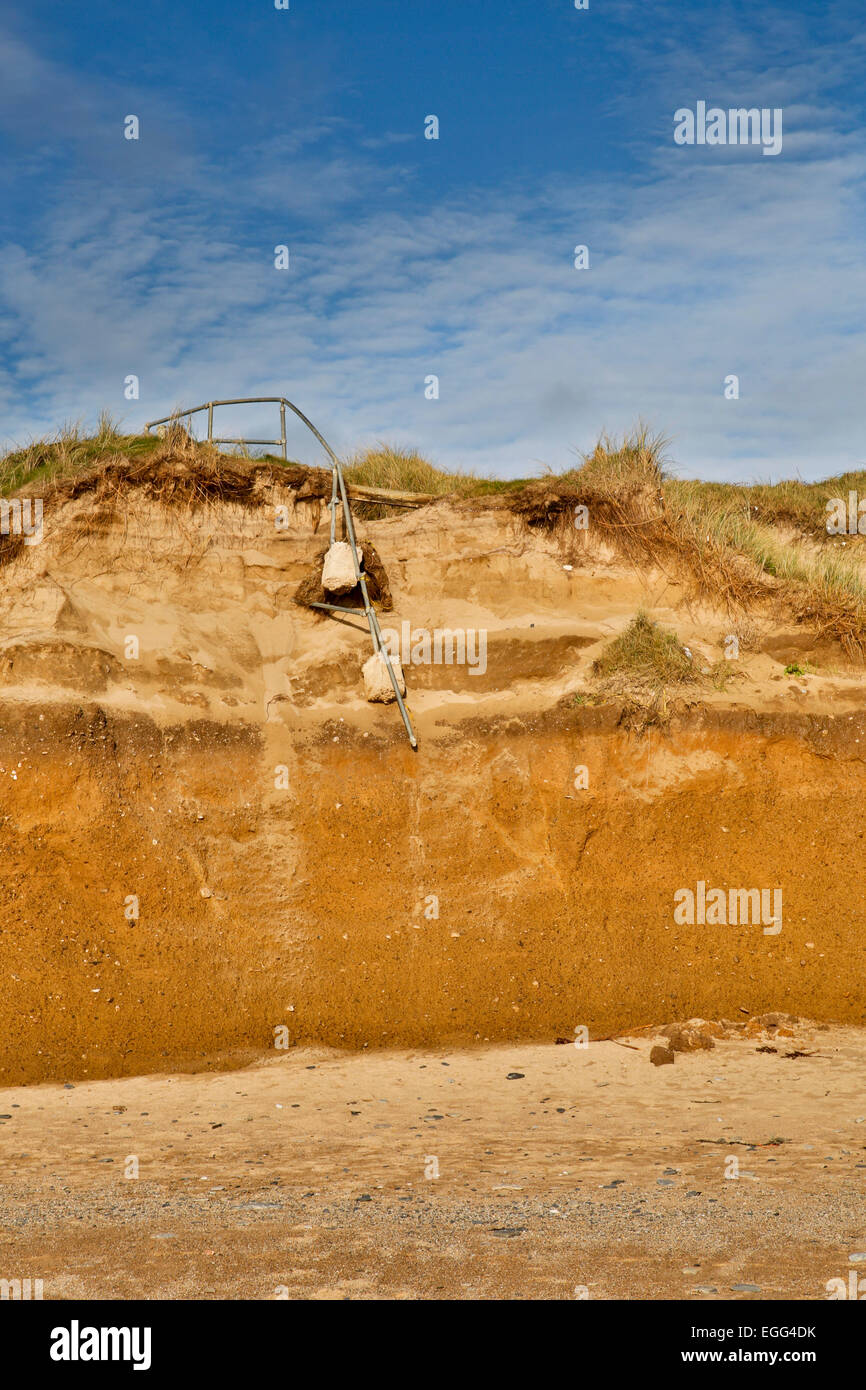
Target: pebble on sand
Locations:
point(661, 1056)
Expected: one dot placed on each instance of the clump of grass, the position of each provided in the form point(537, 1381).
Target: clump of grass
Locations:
point(404, 470)
point(824, 588)
point(638, 458)
point(791, 502)
point(68, 453)
point(746, 633)
point(722, 672)
point(646, 656)
point(618, 486)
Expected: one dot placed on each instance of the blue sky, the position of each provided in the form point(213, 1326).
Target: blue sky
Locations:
point(454, 258)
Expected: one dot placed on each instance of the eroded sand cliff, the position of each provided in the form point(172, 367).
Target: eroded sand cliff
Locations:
point(209, 834)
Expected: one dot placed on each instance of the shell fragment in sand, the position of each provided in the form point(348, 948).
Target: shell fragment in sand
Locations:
point(377, 682)
point(338, 573)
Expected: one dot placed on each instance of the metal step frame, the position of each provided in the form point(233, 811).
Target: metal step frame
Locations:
point(339, 498)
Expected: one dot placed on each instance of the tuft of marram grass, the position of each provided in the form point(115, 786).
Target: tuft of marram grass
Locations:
point(637, 459)
point(791, 502)
point(645, 655)
point(404, 470)
point(824, 587)
point(68, 453)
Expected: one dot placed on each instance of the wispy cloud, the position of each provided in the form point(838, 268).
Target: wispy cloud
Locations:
point(702, 264)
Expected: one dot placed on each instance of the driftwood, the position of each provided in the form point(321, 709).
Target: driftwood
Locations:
point(388, 497)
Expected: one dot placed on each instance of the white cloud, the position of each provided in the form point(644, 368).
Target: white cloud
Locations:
point(710, 262)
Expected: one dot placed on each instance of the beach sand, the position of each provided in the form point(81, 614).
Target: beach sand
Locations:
point(563, 1172)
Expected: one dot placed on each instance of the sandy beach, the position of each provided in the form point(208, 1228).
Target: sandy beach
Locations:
point(562, 1173)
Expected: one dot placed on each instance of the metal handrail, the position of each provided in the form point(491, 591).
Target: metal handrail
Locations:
point(246, 400)
point(338, 489)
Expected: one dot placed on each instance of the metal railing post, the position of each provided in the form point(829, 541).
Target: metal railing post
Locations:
point(379, 647)
point(338, 496)
point(333, 504)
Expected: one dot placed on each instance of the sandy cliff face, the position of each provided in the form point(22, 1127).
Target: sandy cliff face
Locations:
point(208, 835)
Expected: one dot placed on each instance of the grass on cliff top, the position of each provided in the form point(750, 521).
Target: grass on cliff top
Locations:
point(70, 452)
point(727, 532)
point(639, 457)
point(776, 530)
point(645, 655)
point(404, 470)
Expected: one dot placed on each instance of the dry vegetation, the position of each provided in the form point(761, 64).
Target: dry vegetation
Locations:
point(404, 470)
point(175, 468)
point(646, 656)
point(642, 668)
point(744, 546)
point(739, 544)
point(70, 453)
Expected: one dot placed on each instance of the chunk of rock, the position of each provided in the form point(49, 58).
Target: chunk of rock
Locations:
point(377, 682)
point(686, 1038)
point(338, 573)
point(711, 1026)
point(782, 1024)
point(661, 1056)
